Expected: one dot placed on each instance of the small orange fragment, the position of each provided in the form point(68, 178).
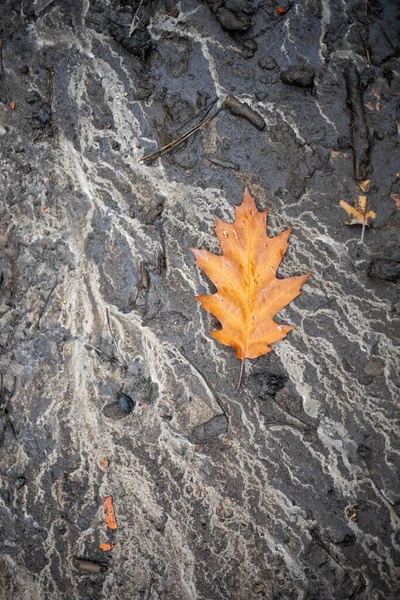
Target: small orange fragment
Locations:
point(106, 547)
point(104, 462)
point(281, 11)
point(12, 105)
point(109, 513)
point(171, 12)
point(44, 208)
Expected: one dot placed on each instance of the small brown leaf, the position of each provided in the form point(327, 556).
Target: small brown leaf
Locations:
point(396, 198)
point(358, 214)
point(364, 185)
point(13, 105)
point(106, 547)
point(109, 513)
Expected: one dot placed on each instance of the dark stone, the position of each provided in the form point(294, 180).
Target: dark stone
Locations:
point(45, 113)
point(239, 6)
point(120, 409)
point(20, 482)
point(260, 96)
point(295, 185)
point(363, 451)
point(32, 97)
point(230, 22)
point(25, 70)
point(139, 44)
point(384, 269)
point(83, 523)
point(249, 48)
point(267, 62)
point(343, 142)
point(265, 384)
point(115, 145)
point(300, 76)
point(125, 403)
point(212, 428)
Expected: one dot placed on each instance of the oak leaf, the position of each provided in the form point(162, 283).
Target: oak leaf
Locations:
point(359, 215)
point(248, 292)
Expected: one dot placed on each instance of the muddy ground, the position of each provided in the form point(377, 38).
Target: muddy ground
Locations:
point(288, 489)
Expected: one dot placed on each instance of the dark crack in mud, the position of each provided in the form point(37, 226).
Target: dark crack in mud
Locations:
point(110, 383)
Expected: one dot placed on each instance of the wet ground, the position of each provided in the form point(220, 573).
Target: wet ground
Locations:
point(110, 382)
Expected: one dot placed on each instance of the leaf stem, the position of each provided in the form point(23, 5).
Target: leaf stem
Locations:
point(237, 388)
point(363, 231)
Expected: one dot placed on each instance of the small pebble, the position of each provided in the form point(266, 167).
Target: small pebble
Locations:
point(20, 482)
point(299, 76)
point(267, 62)
point(126, 404)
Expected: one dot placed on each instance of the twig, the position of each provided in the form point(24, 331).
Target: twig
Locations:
point(135, 23)
point(112, 358)
point(179, 140)
point(213, 393)
point(150, 587)
point(46, 303)
point(206, 108)
point(237, 388)
point(114, 339)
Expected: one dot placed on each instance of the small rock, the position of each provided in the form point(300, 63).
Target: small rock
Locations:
point(260, 96)
point(249, 48)
point(230, 22)
point(384, 269)
point(115, 145)
point(120, 409)
point(83, 523)
point(343, 143)
point(20, 482)
point(374, 367)
point(364, 451)
point(32, 97)
point(267, 62)
point(212, 428)
point(266, 384)
point(258, 587)
point(126, 404)
point(45, 113)
point(300, 76)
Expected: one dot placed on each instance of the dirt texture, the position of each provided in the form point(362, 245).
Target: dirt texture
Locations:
point(119, 423)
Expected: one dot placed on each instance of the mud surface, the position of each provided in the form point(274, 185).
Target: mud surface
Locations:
point(290, 488)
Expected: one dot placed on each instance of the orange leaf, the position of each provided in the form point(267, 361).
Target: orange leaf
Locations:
point(248, 291)
point(106, 547)
point(109, 513)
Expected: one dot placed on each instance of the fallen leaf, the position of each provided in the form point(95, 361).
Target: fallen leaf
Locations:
point(396, 198)
point(248, 291)
point(364, 185)
point(281, 11)
point(104, 461)
point(109, 513)
point(358, 214)
point(106, 547)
